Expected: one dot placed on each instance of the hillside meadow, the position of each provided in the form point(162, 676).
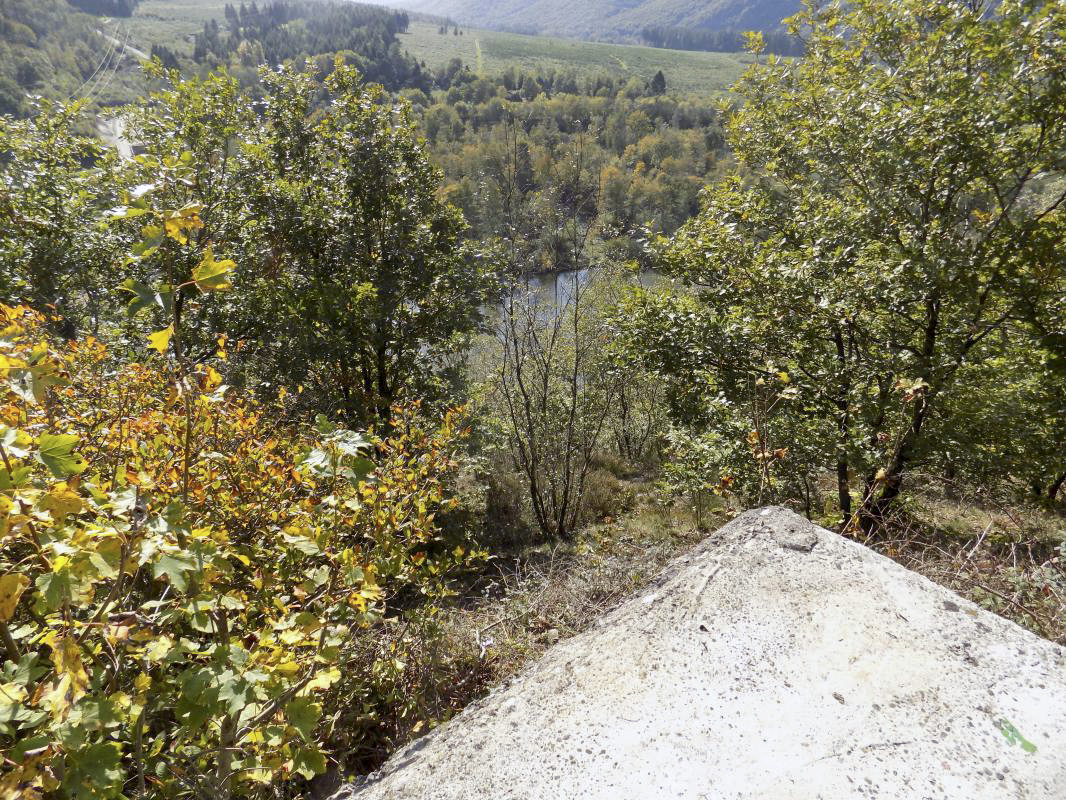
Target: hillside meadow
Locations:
point(492, 52)
point(173, 24)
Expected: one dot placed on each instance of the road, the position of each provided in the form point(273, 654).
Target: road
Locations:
point(126, 46)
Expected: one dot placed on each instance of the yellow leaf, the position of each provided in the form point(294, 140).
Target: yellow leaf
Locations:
point(288, 668)
point(12, 693)
point(66, 658)
point(175, 230)
point(11, 589)
point(142, 683)
point(324, 679)
point(62, 501)
point(263, 776)
point(210, 275)
point(158, 649)
point(179, 222)
point(292, 637)
point(160, 340)
point(214, 379)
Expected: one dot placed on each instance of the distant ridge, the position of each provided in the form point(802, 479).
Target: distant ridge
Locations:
point(608, 19)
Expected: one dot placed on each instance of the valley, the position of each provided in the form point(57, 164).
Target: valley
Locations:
point(353, 358)
point(608, 18)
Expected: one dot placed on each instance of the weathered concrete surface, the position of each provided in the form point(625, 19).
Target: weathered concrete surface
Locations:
point(777, 661)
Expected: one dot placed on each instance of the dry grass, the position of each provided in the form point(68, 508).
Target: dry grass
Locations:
point(534, 598)
point(1006, 557)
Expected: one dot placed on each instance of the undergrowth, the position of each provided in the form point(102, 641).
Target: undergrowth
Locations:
point(1007, 557)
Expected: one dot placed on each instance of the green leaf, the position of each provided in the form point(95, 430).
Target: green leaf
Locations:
point(17, 477)
point(1014, 736)
point(309, 763)
point(301, 544)
point(175, 566)
point(95, 770)
point(235, 692)
point(360, 468)
point(103, 569)
point(303, 714)
point(28, 746)
point(153, 238)
point(144, 298)
point(57, 453)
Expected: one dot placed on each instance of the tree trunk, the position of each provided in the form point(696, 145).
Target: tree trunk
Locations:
point(1053, 490)
point(891, 482)
point(843, 476)
point(384, 387)
point(844, 492)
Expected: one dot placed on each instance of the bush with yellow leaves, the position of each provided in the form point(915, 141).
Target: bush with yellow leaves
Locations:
point(182, 579)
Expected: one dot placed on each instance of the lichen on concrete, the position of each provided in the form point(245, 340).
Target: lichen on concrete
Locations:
point(778, 660)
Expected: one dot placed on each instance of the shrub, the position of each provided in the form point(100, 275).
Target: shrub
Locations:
point(605, 496)
point(505, 509)
point(183, 582)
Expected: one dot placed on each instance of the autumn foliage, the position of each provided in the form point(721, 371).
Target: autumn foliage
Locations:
point(182, 578)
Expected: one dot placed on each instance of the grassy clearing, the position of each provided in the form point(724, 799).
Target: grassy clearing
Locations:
point(172, 22)
point(705, 73)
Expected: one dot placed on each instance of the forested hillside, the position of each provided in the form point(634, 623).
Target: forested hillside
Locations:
point(51, 49)
point(362, 380)
point(364, 36)
point(117, 8)
point(523, 152)
point(609, 18)
point(47, 48)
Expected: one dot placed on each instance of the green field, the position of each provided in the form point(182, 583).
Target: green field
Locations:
point(173, 22)
point(491, 52)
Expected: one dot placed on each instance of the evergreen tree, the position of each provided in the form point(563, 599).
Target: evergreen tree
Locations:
point(657, 86)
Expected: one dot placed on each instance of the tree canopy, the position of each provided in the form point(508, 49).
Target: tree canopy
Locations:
point(898, 232)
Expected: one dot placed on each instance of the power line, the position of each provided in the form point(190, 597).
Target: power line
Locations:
point(100, 66)
point(118, 65)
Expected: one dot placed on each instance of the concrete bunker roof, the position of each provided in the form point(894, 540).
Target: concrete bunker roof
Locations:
point(778, 660)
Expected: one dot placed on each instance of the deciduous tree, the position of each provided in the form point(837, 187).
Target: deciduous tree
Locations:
point(900, 220)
